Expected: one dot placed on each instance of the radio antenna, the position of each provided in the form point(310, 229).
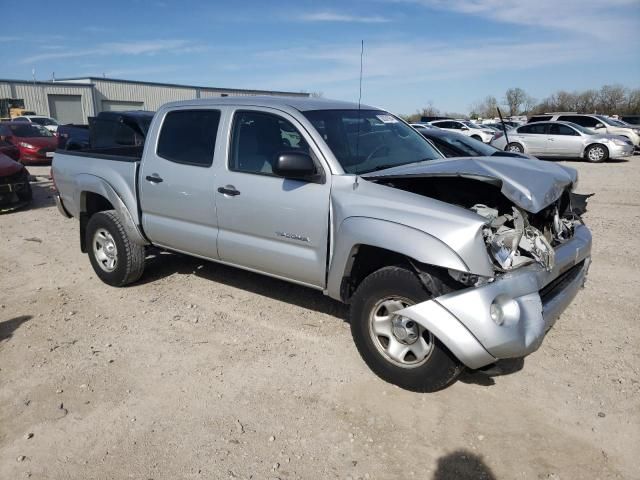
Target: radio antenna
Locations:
point(359, 102)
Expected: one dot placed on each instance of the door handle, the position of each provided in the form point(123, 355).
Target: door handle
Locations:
point(229, 190)
point(154, 178)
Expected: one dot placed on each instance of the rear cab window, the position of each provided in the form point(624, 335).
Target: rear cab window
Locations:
point(189, 137)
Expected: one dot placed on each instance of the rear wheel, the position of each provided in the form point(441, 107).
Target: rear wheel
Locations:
point(114, 257)
point(514, 148)
point(596, 153)
point(396, 348)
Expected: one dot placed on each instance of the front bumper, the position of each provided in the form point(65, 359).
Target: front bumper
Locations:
point(619, 151)
point(42, 156)
point(532, 300)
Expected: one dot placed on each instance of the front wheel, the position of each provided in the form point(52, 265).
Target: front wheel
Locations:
point(596, 153)
point(396, 348)
point(114, 257)
point(477, 137)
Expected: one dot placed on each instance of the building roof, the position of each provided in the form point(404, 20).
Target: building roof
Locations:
point(176, 85)
point(47, 82)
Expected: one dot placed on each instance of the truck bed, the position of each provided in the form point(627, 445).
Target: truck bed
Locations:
point(121, 154)
point(103, 169)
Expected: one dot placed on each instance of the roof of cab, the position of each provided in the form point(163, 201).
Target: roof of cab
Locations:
point(299, 103)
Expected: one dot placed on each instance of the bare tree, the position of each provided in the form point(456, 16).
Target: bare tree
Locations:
point(612, 98)
point(514, 98)
point(487, 108)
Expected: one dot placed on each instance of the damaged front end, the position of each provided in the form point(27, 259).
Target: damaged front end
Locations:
point(518, 238)
point(539, 247)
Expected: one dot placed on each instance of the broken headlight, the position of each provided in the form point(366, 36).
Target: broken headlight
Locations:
point(504, 247)
point(513, 242)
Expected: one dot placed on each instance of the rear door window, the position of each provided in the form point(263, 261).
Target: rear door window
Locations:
point(533, 128)
point(559, 129)
point(189, 137)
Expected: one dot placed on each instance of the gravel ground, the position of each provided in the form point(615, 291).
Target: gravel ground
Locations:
point(204, 371)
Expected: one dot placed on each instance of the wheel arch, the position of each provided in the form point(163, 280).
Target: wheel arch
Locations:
point(96, 195)
point(365, 244)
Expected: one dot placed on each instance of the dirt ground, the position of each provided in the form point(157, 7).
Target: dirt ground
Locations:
point(201, 371)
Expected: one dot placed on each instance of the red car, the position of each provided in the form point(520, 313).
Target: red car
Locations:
point(15, 189)
point(36, 143)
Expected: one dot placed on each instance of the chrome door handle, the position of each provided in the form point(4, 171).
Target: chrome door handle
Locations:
point(229, 190)
point(154, 178)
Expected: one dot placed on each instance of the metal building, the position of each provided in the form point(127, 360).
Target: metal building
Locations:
point(73, 100)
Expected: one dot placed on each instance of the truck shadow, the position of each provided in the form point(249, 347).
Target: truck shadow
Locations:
point(9, 326)
point(163, 264)
point(462, 465)
point(485, 377)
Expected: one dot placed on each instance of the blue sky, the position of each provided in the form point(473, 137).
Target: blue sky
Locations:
point(451, 53)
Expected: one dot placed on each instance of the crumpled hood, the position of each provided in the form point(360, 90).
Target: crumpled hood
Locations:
point(530, 184)
point(8, 166)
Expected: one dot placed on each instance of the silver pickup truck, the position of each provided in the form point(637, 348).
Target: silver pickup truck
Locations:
point(445, 263)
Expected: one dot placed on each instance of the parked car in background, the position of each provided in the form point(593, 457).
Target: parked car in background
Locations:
point(453, 144)
point(36, 143)
point(598, 123)
point(499, 126)
point(631, 120)
point(467, 128)
point(423, 126)
point(444, 262)
point(73, 137)
point(564, 139)
point(46, 122)
point(15, 189)
point(9, 149)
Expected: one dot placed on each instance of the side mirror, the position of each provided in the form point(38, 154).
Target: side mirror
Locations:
point(296, 166)
point(599, 125)
point(465, 128)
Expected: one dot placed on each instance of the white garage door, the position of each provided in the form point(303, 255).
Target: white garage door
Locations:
point(66, 108)
point(118, 106)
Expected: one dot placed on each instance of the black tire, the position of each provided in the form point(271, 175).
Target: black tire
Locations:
point(129, 263)
point(596, 153)
point(514, 147)
point(26, 195)
point(477, 137)
point(441, 367)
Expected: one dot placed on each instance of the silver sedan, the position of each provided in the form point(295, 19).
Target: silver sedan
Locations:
point(563, 139)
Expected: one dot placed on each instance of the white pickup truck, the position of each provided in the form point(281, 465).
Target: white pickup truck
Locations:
point(445, 263)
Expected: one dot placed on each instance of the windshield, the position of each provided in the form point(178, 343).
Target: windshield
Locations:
point(29, 130)
point(609, 121)
point(617, 123)
point(368, 140)
point(468, 145)
point(44, 121)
